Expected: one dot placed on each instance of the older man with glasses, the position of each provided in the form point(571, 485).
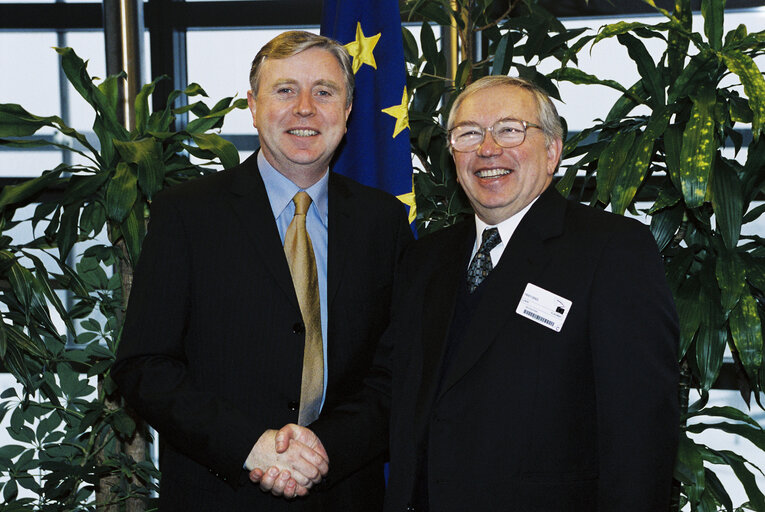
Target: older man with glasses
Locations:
point(530, 364)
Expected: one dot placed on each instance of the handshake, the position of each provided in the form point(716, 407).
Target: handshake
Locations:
point(288, 462)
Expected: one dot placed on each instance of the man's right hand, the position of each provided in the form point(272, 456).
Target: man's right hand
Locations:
point(295, 458)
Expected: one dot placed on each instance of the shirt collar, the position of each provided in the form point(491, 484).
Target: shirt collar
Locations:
point(506, 228)
point(281, 190)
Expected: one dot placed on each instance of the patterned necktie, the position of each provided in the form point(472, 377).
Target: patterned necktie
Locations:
point(302, 263)
point(481, 265)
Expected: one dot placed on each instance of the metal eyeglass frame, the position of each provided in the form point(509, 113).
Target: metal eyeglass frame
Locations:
point(526, 125)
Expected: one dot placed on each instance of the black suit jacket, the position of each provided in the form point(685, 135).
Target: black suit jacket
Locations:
point(212, 348)
point(524, 418)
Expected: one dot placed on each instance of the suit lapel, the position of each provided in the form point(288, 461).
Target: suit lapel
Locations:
point(438, 302)
point(252, 207)
point(340, 234)
point(522, 261)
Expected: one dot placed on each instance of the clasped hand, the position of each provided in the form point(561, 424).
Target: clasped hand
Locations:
point(288, 462)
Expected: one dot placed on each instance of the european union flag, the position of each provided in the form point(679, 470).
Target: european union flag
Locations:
point(376, 150)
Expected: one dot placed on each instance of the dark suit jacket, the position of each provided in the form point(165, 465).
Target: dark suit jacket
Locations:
point(212, 348)
point(524, 418)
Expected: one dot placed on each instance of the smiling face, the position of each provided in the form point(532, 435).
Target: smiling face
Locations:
point(300, 112)
point(499, 181)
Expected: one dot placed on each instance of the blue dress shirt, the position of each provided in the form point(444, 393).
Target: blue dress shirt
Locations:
point(280, 192)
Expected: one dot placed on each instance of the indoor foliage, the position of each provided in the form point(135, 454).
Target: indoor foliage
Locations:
point(670, 157)
point(702, 199)
point(75, 446)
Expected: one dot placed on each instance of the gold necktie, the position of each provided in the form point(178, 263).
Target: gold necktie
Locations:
point(302, 263)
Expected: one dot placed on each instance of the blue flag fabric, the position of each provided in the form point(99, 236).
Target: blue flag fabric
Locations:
point(376, 149)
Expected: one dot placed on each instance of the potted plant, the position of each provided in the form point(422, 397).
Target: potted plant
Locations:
point(75, 445)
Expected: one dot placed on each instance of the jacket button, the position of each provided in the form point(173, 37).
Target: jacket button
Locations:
point(293, 405)
point(298, 328)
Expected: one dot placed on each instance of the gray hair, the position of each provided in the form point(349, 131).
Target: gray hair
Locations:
point(293, 42)
point(546, 111)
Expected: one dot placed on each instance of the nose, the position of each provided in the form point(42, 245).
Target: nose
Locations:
point(304, 106)
point(489, 147)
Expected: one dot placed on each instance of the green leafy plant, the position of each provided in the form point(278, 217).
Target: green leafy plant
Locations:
point(702, 197)
point(64, 292)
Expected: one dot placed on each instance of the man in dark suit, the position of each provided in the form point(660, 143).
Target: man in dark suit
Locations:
point(212, 351)
point(530, 364)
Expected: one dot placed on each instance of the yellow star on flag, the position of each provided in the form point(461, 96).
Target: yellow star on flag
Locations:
point(408, 199)
point(401, 113)
point(361, 49)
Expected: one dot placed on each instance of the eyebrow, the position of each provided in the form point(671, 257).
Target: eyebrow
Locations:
point(330, 84)
point(476, 123)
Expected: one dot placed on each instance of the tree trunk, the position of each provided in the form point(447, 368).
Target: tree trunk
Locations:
point(135, 447)
point(684, 391)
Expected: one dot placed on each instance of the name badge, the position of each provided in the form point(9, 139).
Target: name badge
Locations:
point(543, 307)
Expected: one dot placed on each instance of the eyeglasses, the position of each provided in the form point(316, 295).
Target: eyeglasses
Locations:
point(507, 133)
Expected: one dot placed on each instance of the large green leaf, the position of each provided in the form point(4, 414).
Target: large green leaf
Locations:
point(121, 192)
point(75, 69)
point(689, 468)
point(712, 336)
point(714, 486)
point(19, 340)
point(110, 88)
point(43, 284)
point(754, 85)
point(692, 76)
point(20, 279)
point(411, 51)
point(15, 121)
point(577, 76)
point(146, 153)
point(728, 202)
point(3, 348)
point(68, 229)
point(753, 434)
point(746, 329)
point(668, 197)
point(677, 41)
point(731, 278)
point(713, 12)
point(26, 190)
point(428, 42)
point(635, 95)
point(612, 160)
point(82, 188)
point(640, 157)
point(133, 230)
point(698, 150)
point(755, 272)
point(710, 347)
point(223, 149)
point(503, 56)
point(673, 143)
point(664, 225)
point(746, 477)
point(728, 412)
point(689, 312)
point(646, 67)
point(142, 113)
point(616, 29)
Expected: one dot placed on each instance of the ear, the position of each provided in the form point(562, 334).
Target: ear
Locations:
point(347, 113)
point(251, 104)
point(554, 151)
